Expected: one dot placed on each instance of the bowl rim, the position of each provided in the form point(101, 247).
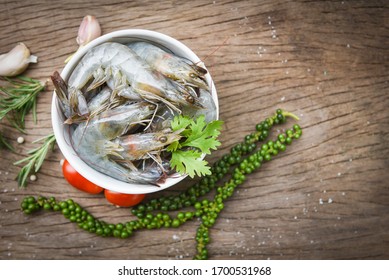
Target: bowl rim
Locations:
point(68, 152)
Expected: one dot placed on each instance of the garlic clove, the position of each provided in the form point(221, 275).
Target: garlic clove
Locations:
point(89, 30)
point(16, 61)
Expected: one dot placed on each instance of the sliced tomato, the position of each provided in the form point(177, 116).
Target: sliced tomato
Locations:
point(123, 199)
point(78, 181)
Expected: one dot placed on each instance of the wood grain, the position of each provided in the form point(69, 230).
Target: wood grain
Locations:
point(326, 197)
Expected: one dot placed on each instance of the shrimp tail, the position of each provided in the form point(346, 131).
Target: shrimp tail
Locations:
point(78, 102)
point(201, 70)
point(61, 90)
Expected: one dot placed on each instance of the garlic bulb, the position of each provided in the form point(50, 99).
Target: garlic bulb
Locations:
point(16, 61)
point(88, 31)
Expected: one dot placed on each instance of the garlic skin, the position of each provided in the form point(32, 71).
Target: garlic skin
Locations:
point(89, 30)
point(16, 61)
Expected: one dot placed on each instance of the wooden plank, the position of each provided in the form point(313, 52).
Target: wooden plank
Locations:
point(326, 197)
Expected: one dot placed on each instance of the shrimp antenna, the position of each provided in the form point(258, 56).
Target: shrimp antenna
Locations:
point(153, 116)
point(208, 55)
point(157, 160)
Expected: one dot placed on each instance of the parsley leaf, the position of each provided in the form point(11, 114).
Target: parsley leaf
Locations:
point(189, 162)
point(180, 122)
point(198, 138)
point(203, 136)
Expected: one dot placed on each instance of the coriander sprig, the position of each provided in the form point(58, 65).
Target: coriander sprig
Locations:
point(35, 159)
point(199, 137)
point(18, 98)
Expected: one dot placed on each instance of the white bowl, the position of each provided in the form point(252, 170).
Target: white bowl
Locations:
point(63, 141)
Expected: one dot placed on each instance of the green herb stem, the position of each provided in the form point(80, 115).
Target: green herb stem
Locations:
point(18, 99)
point(35, 159)
point(4, 143)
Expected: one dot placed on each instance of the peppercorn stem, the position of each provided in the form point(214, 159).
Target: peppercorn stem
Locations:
point(212, 209)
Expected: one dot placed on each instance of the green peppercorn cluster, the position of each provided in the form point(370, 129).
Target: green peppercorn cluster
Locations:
point(233, 167)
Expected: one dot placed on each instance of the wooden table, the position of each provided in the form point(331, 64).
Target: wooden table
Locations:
point(326, 197)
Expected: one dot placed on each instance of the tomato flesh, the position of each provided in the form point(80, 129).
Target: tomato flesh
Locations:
point(78, 181)
point(123, 199)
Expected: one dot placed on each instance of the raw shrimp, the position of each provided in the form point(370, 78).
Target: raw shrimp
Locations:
point(113, 123)
point(139, 146)
point(91, 147)
point(103, 60)
point(90, 151)
point(174, 67)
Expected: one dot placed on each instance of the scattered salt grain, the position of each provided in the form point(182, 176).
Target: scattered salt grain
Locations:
point(320, 201)
point(339, 173)
point(295, 217)
point(283, 98)
point(348, 45)
point(20, 140)
point(330, 200)
point(33, 177)
point(175, 237)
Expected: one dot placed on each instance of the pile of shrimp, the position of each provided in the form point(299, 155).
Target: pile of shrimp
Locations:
point(119, 103)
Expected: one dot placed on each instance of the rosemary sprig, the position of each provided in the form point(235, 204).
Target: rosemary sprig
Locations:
point(4, 143)
point(18, 98)
point(35, 159)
